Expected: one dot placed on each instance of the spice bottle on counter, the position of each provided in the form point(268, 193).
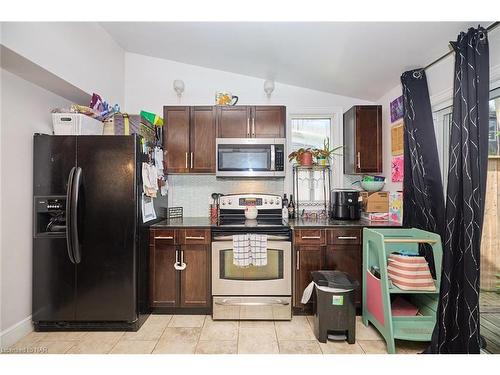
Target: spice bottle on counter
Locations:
point(291, 208)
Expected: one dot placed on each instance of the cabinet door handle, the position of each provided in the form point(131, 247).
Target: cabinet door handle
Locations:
point(164, 238)
point(310, 237)
point(248, 126)
point(179, 266)
point(253, 125)
point(347, 237)
point(298, 260)
point(191, 160)
point(358, 157)
point(186, 160)
point(195, 238)
point(176, 264)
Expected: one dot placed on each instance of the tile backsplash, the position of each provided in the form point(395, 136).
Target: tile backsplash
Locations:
point(193, 192)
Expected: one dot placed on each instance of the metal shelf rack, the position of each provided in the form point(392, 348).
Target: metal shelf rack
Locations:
point(303, 173)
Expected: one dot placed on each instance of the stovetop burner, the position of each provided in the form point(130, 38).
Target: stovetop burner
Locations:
point(269, 220)
point(242, 222)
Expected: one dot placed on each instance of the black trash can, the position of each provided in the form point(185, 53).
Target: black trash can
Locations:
point(334, 312)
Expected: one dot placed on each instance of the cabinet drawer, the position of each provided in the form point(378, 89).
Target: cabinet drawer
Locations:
point(195, 236)
point(310, 237)
point(344, 236)
point(167, 236)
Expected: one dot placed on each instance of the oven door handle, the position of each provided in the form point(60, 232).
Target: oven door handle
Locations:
point(227, 302)
point(269, 238)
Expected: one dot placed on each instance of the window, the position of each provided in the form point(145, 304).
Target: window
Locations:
point(490, 261)
point(310, 132)
point(442, 125)
point(494, 119)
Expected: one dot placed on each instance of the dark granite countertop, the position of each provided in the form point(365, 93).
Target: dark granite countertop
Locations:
point(331, 223)
point(204, 222)
point(185, 222)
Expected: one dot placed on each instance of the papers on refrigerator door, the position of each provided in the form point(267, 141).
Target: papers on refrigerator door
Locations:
point(149, 179)
point(158, 157)
point(148, 209)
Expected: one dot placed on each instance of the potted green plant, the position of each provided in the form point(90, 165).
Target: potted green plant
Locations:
point(324, 155)
point(303, 156)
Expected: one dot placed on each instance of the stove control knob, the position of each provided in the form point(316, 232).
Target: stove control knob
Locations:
point(229, 202)
point(277, 201)
point(223, 203)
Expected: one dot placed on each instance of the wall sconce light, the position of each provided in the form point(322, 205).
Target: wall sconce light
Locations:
point(179, 87)
point(268, 87)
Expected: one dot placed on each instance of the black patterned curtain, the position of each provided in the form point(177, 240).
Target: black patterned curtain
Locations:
point(457, 329)
point(423, 199)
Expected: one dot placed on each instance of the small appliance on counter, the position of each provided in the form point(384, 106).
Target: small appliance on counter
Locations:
point(344, 204)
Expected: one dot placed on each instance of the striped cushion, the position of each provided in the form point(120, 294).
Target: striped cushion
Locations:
point(410, 273)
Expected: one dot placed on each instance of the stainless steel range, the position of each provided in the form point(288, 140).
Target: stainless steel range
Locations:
point(252, 292)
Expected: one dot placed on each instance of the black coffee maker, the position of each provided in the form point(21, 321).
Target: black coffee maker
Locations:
point(344, 204)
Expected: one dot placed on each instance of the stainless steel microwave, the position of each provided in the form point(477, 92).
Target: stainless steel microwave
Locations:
point(250, 157)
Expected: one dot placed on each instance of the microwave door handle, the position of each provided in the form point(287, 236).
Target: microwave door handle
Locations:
point(273, 158)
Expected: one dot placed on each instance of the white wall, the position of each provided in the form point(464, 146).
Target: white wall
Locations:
point(25, 110)
point(440, 83)
point(149, 86)
point(82, 53)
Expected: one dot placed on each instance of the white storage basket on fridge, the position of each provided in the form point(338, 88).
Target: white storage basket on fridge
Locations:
point(76, 124)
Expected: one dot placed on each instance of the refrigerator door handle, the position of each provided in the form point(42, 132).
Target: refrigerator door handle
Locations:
point(69, 209)
point(77, 184)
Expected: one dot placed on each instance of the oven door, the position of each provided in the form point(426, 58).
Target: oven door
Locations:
point(274, 279)
point(246, 157)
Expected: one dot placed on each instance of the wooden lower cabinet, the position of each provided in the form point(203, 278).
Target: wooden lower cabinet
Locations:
point(330, 249)
point(181, 290)
point(163, 276)
point(347, 259)
point(195, 279)
point(307, 259)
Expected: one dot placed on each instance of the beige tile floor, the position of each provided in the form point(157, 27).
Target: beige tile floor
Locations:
point(199, 334)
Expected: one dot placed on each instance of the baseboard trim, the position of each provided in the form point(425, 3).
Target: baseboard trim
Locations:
point(15, 332)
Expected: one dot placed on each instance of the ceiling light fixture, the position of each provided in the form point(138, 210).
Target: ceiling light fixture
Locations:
point(268, 87)
point(179, 87)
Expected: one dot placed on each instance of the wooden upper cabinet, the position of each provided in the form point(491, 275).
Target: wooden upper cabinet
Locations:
point(251, 122)
point(176, 140)
point(190, 139)
point(233, 121)
point(363, 139)
point(190, 132)
point(203, 133)
point(268, 122)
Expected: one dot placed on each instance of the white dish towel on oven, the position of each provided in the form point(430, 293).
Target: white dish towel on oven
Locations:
point(241, 250)
point(258, 249)
point(249, 249)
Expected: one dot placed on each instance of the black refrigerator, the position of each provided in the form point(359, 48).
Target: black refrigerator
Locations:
point(90, 248)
